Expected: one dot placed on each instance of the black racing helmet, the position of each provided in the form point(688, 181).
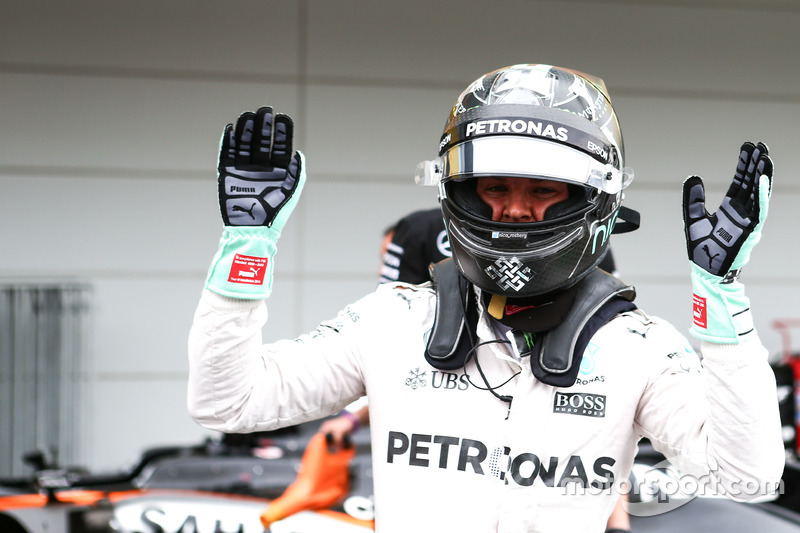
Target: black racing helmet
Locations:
point(531, 121)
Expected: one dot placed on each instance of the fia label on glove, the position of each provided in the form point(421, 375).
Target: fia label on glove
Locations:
point(248, 269)
point(699, 314)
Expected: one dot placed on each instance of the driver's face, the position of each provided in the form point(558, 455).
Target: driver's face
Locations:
point(520, 199)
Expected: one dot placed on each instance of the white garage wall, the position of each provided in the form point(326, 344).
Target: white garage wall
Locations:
point(112, 112)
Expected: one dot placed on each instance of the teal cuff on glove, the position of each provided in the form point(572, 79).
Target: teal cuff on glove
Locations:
point(720, 309)
point(243, 265)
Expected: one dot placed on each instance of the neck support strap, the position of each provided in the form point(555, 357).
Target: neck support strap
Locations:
point(556, 353)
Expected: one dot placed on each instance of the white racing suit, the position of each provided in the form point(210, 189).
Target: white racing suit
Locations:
point(449, 456)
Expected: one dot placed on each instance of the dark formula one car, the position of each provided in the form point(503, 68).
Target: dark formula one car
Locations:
point(219, 486)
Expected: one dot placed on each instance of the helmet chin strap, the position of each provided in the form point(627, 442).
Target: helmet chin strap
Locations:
point(568, 322)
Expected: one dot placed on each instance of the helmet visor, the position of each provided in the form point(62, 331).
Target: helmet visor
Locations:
point(515, 156)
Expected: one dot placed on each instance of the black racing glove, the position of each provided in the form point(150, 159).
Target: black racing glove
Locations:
point(722, 242)
point(257, 173)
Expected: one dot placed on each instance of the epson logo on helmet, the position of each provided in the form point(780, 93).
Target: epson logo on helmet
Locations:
point(445, 140)
point(595, 149)
point(519, 126)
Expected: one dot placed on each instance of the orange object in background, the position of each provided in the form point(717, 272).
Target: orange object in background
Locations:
point(76, 497)
point(323, 481)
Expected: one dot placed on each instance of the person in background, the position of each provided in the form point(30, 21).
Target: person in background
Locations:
point(415, 242)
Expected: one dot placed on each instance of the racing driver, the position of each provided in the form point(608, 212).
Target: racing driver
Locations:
point(510, 393)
